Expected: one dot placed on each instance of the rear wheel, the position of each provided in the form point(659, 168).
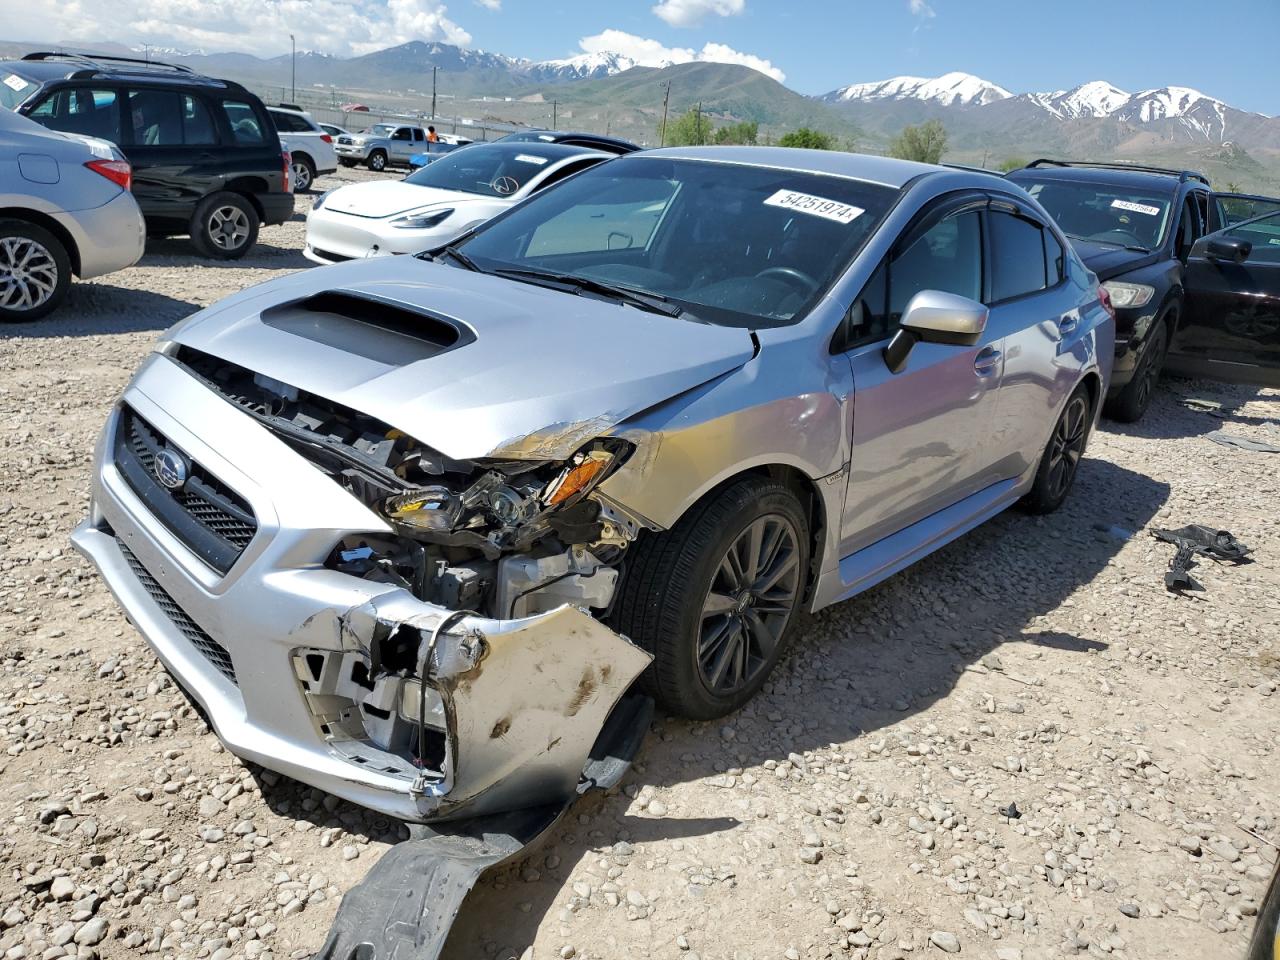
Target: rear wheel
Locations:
point(35, 271)
point(378, 161)
point(1061, 458)
point(224, 226)
point(346, 163)
point(716, 598)
point(1131, 403)
point(304, 173)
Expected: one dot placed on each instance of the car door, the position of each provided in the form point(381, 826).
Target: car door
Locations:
point(1035, 315)
point(171, 140)
point(1230, 325)
point(1228, 209)
point(915, 433)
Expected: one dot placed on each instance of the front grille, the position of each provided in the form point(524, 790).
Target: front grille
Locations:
point(345, 141)
point(330, 255)
point(214, 521)
point(212, 650)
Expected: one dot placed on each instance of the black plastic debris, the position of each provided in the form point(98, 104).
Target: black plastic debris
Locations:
point(1195, 540)
point(1011, 811)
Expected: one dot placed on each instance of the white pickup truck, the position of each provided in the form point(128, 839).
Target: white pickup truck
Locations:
point(382, 145)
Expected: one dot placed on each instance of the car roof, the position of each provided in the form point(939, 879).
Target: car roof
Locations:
point(88, 67)
point(1104, 176)
point(856, 166)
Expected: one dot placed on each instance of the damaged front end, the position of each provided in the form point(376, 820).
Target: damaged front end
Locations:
point(477, 674)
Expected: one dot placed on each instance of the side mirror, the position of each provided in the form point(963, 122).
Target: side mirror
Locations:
point(1222, 248)
point(935, 317)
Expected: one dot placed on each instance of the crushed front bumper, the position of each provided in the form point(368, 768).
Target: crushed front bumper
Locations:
point(516, 704)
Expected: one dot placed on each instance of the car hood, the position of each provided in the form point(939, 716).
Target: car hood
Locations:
point(537, 373)
point(385, 198)
point(1109, 261)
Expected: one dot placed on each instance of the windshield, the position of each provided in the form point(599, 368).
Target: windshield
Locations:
point(490, 169)
point(381, 130)
point(730, 244)
point(1102, 212)
point(13, 90)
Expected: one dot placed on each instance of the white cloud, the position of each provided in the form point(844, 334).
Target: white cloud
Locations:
point(651, 53)
point(689, 13)
point(490, 4)
point(921, 9)
point(253, 26)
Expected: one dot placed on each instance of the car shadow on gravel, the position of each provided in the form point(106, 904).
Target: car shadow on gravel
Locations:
point(860, 671)
point(177, 252)
point(93, 309)
point(1168, 418)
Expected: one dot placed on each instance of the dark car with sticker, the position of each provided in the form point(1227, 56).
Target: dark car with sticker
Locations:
point(1193, 274)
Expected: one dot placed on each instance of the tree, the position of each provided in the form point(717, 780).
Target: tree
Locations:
point(925, 143)
point(808, 138)
point(1011, 163)
point(1233, 187)
point(741, 134)
point(692, 129)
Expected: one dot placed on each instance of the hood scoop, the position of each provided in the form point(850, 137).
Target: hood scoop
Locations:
point(384, 331)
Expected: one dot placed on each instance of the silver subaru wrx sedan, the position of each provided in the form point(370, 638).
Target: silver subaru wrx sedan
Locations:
point(409, 528)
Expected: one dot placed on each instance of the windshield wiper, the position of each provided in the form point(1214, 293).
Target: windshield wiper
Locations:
point(653, 302)
point(459, 257)
point(1110, 243)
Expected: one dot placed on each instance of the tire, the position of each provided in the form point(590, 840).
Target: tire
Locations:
point(377, 161)
point(224, 226)
point(304, 173)
point(1132, 401)
point(1061, 458)
point(35, 271)
point(671, 580)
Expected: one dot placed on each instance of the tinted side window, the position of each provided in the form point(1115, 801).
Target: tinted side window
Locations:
point(244, 122)
point(1017, 256)
point(155, 117)
point(288, 122)
point(86, 111)
point(1264, 234)
point(946, 257)
point(401, 134)
point(1055, 258)
point(197, 123)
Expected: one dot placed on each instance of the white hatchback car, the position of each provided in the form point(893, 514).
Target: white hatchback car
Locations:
point(438, 202)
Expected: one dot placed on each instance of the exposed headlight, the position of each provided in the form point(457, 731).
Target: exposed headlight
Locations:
point(422, 219)
point(1129, 294)
point(319, 201)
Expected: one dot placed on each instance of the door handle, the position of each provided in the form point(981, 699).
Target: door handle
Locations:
point(987, 361)
point(1067, 324)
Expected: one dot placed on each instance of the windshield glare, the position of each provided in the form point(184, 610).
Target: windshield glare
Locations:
point(381, 130)
point(491, 170)
point(1101, 212)
point(734, 245)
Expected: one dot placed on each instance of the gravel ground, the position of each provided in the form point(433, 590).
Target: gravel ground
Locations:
point(858, 808)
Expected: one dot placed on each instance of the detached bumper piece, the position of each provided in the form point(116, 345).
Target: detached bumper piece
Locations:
point(405, 906)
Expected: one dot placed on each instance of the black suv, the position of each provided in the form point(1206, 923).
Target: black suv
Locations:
point(1194, 275)
point(206, 156)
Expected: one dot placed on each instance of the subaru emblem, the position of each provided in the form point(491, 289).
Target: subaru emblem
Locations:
point(171, 468)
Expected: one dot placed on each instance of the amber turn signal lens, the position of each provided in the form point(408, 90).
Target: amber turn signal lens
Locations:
point(578, 478)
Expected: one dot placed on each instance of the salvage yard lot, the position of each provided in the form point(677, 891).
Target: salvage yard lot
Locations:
point(852, 810)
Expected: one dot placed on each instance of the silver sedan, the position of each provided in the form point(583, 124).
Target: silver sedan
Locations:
point(67, 209)
point(410, 528)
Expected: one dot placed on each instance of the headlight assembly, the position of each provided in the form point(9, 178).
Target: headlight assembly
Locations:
point(422, 219)
point(1125, 295)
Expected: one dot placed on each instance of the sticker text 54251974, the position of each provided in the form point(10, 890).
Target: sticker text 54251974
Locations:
point(815, 206)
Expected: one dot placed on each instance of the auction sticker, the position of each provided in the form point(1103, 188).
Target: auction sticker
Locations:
point(528, 158)
point(815, 206)
point(14, 82)
point(1129, 205)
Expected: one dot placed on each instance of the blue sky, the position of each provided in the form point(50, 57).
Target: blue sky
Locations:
point(1224, 49)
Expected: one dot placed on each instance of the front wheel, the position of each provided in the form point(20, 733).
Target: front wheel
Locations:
point(35, 271)
point(1131, 403)
point(377, 161)
point(715, 598)
point(1061, 458)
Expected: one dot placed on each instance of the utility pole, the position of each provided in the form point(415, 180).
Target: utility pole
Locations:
point(146, 52)
point(555, 114)
point(698, 126)
point(666, 101)
point(293, 69)
point(433, 93)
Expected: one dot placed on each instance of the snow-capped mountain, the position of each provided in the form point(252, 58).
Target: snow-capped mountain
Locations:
point(585, 66)
point(950, 90)
point(1094, 99)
